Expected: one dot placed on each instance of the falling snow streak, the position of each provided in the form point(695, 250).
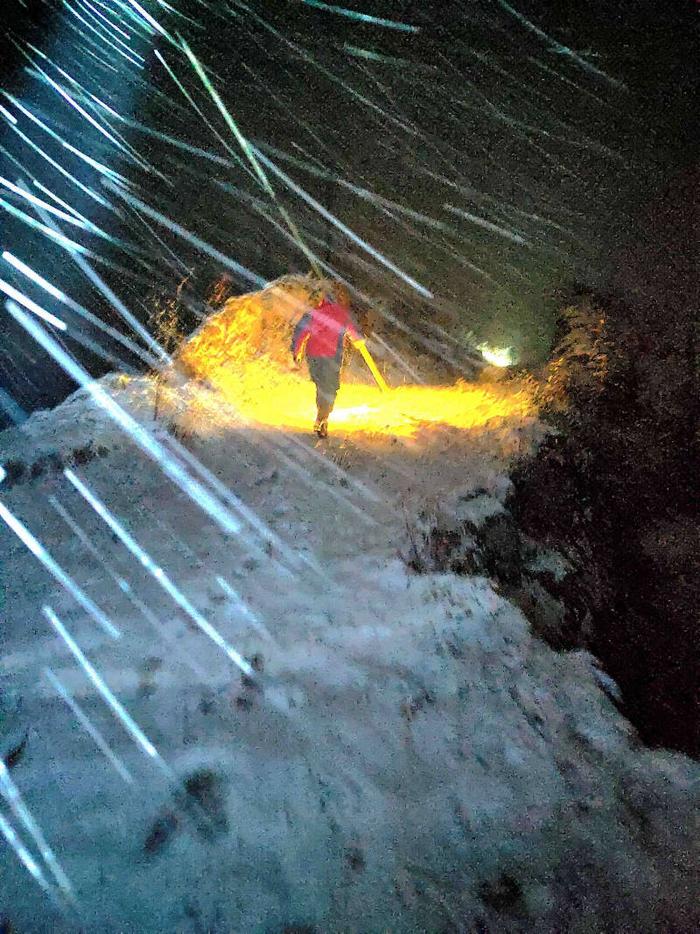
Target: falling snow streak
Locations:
point(143, 439)
point(60, 296)
point(11, 794)
point(32, 306)
point(93, 163)
point(42, 554)
point(132, 57)
point(558, 47)
point(385, 116)
point(14, 412)
point(52, 234)
point(487, 225)
point(157, 573)
point(247, 149)
point(362, 17)
point(59, 168)
point(385, 261)
point(247, 515)
point(25, 857)
point(105, 289)
point(181, 231)
point(119, 711)
point(90, 119)
point(197, 109)
point(89, 727)
point(124, 587)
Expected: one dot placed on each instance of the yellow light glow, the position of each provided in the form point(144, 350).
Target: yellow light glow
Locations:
point(262, 395)
point(237, 370)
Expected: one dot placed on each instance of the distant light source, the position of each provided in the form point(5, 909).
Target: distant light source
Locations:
point(497, 356)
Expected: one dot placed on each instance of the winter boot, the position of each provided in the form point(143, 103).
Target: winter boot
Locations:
point(323, 410)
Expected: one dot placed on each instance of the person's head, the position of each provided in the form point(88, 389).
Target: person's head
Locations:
point(341, 294)
point(329, 290)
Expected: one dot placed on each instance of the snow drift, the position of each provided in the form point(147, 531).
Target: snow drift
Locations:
point(407, 757)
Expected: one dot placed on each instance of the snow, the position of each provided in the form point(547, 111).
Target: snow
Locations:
point(548, 561)
point(408, 756)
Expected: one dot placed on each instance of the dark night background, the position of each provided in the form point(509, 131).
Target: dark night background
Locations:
point(480, 114)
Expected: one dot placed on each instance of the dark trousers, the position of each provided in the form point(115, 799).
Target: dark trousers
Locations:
point(325, 372)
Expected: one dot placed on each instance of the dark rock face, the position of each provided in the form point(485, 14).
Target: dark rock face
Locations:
point(614, 492)
point(611, 490)
point(501, 549)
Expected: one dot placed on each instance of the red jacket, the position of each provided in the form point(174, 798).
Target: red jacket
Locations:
point(325, 328)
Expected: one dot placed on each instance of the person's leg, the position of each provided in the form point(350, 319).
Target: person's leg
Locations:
point(325, 372)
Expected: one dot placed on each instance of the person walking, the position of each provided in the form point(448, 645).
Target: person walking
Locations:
point(320, 334)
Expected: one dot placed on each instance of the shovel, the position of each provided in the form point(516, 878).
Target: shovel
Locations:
point(372, 366)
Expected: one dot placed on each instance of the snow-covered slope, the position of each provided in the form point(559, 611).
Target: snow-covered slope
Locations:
point(406, 756)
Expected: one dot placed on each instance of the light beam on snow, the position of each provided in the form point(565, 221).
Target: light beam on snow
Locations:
point(11, 794)
point(362, 17)
point(360, 409)
point(129, 724)
point(141, 437)
point(259, 391)
point(56, 571)
point(157, 573)
point(90, 728)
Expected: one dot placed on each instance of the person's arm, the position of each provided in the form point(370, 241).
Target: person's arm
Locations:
point(301, 333)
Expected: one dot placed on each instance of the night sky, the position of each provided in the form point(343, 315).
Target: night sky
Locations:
point(494, 154)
